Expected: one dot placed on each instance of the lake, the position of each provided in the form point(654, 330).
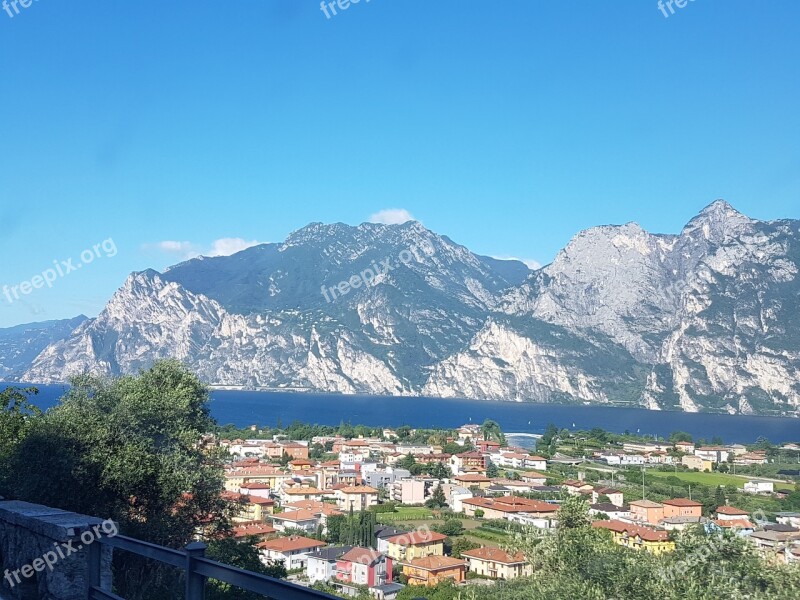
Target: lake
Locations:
point(244, 408)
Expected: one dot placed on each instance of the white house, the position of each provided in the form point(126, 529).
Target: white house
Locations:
point(759, 487)
point(291, 551)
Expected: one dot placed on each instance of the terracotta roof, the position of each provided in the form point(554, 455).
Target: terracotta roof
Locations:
point(495, 555)
point(436, 563)
point(731, 511)
point(645, 533)
point(287, 544)
point(359, 489)
point(646, 504)
point(365, 556)
point(260, 501)
point(682, 502)
point(472, 477)
point(414, 538)
point(255, 485)
point(295, 515)
point(253, 528)
point(738, 523)
point(512, 504)
point(301, 491)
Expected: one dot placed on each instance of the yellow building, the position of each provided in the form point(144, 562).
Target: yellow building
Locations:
point(496, 563)
point(637, 536)
point(696, 462)
point(433, 570)
point(415, 544)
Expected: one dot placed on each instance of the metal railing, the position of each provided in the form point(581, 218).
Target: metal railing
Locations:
point(196, 569)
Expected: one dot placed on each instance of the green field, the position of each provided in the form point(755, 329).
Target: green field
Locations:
point(711, 479)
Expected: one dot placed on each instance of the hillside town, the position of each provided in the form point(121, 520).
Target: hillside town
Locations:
point(371, 514)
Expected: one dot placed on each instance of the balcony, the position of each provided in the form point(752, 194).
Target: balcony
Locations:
point(30, 534)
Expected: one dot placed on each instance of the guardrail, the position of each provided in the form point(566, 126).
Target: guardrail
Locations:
point(196, 568)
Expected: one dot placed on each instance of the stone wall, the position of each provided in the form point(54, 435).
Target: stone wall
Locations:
point(31, 532)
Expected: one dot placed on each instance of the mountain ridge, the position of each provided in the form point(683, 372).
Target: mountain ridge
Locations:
point(699, 320)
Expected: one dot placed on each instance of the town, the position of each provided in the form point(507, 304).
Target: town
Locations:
point(356, 510)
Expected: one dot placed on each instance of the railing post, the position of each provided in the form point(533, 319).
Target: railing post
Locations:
point(94, 553)
point(195, 584)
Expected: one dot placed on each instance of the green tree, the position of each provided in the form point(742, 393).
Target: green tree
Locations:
point(130, 449)
point(17, 417)
point(462, 545)
point(450, 527)
point(437, 499)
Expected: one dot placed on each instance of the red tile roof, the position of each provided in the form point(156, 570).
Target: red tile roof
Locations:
point(645, 533)
point(414, 538)
point(288, 544)
point(731, 511)
point(495, 555)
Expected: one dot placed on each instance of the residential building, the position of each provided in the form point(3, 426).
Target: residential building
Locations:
point(296, 519)
point(647, 511)
point(715, 454)
point(681, 507)
point(292, 551)
point(533, 478)
point(637, 537)
point(321, 564)
point(685, 447)
point(576, 488)
point(363, 566)
point(256, 529)
point(469, 480)
point(510, 507)
point(612, 511)
point(415, 544)
point(614, 496)
point(432, 570)
point(696, 462)
point(408, 491)
point(724, 513)
point(759, 487)
point(468, 462)
point(357, 498)
point(751, 458)
point(496, 563)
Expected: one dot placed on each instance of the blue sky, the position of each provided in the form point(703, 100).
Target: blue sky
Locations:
point(507, 125)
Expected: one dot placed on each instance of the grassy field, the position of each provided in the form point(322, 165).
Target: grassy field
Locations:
point(405, 513)
point(711, 479)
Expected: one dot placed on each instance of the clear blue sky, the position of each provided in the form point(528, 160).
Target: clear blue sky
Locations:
point(507, 125)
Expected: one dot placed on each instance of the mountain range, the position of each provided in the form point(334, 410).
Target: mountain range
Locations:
point(705, 320)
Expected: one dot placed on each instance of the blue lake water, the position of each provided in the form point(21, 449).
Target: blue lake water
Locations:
point(267, 408)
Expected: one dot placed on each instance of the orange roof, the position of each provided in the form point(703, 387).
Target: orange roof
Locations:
point(472, 477)
point(682, 502)
point(288, 544)
point(295, 515)
point(301, 491)
point(365, 556)
point(731, 511)
point(495, 555)
point(645, 533)
point(414, 538)
point(436, 563)
point(252, 528)
point(358, 489)
point(512, 504)
point(261, 501)
point(738, 523)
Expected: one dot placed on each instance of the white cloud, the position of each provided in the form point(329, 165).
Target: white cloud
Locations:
point(391, 216)
point(228, 246)
point(531, 263)
point(187, 250)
